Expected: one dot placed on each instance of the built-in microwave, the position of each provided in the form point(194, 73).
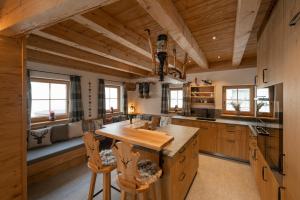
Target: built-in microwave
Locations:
point(270, 132)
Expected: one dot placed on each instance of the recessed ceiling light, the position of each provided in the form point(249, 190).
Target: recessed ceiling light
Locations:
point(214, 37)
point(219, 57)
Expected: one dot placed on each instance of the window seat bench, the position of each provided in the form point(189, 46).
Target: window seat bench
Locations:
point(50, 160)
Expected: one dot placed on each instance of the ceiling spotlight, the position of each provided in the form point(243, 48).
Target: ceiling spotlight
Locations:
point(219, 57)
point(214, 37)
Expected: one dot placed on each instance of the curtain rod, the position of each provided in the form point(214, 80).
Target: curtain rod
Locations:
point(69, 75)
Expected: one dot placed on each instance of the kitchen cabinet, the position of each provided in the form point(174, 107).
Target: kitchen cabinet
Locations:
point(270, 56)
point(208, 134)
point(181, 171)
point(265, 180)
point(233, 141)
point(291, 101)
point(228, 140)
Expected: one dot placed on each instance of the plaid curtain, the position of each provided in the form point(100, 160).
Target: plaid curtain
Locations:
point(76, 113)
point(186, 107)
point(28, 101)
point(101, 99)
point(165, 98)
point(125, 99)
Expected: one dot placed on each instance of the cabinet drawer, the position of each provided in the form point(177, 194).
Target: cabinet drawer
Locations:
point(229, 145)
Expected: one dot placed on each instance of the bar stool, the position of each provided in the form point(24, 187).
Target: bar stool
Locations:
point(99, 162)
point(134, 176)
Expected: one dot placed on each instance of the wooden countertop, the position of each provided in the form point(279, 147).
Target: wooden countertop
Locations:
point(169, 139)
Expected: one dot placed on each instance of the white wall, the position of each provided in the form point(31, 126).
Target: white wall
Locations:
point(149, 106)
point(219, 78)
point(85, 78)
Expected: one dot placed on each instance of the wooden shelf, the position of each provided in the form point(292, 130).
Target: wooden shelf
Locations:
point(202, 97)
point(204, 104)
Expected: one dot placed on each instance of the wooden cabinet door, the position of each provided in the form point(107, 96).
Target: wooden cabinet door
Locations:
point(262, 57)
point(271, 186)
point(270, 56)
point(229, 140)
point(276, 42)
point(291, 100)
point(208, 134)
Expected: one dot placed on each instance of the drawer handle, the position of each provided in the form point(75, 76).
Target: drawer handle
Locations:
point(231, 141)
point(195, 155)
point(264, 75)
point(182, 160)
point(295, 19)
point(182, 150)
point(195, 142)
point(231, 132)
point(279, 192)
point(182, 176)
point(254, 154)
point(263, 173)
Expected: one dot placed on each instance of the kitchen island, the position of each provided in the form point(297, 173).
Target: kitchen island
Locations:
point(178, 157)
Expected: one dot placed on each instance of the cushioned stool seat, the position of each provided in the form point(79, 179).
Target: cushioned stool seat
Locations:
point(149, 172)
point(108, 158)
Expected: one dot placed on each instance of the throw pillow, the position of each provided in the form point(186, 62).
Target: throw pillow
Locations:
point(98, 123)
point(165, 121)
point(115, 119)
point(75, 129)
point(59, 133)
point(39, 138)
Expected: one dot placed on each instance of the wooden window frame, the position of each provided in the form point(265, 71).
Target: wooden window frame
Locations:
point(271, 97)
point(118, 98)
point(252, 105)
point(57, 117)
point(170, 108)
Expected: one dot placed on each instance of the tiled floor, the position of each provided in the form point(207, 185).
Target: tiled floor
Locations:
point(217, 179)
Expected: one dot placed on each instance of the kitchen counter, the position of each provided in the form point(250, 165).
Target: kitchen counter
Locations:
point(181, 134)
point(178, 158)
point(159, 139)
point(231, 121)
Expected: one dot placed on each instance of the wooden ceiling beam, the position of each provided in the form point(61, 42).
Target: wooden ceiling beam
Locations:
point(223, 66)
point(102, 23)
point(69, 37)
point(33, 14)
point(166, 15)
point(245, 18)
point(46, 58)
point(45, 45)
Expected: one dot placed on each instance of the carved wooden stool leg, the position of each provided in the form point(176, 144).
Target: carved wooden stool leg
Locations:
point(92, 185)
point(134, 196)
point(144, 195)
point(106, 186)
point(153, 192)
point(123, 195)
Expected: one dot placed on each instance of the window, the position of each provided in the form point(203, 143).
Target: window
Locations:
point(264, 103)
point(238, 95)
point(49, 95)
point(176, 98)
point(112, 98)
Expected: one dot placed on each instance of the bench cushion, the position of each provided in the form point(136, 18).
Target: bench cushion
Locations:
point(39, 154)
point(59, 133)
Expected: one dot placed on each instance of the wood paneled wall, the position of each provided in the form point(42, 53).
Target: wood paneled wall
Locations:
point(12, 120)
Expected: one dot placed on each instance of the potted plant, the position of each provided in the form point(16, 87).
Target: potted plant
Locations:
point(237, 107)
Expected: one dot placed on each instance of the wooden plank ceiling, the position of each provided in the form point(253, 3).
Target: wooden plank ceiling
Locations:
point(112, 39)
